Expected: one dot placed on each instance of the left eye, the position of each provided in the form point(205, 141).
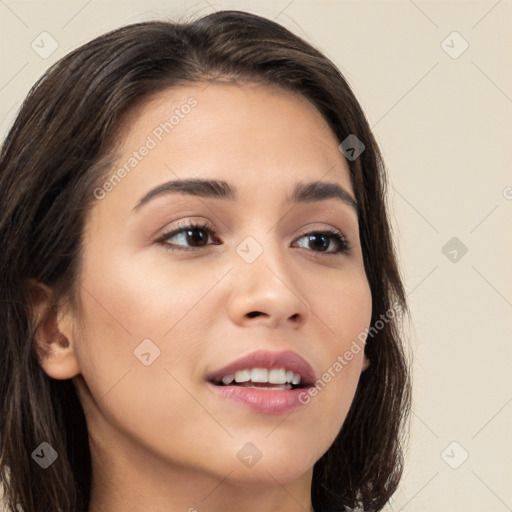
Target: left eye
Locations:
point(323, 239)
point(198, 235)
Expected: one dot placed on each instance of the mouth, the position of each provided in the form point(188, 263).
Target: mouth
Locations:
point(279, 379)
point(268, 382)
point(229, 381)
point(266, 369)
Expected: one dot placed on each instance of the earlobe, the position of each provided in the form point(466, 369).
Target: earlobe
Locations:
point(57, 357)
point(366, 363)
point(53, 343)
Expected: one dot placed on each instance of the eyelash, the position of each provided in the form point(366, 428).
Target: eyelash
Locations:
point(343, 245)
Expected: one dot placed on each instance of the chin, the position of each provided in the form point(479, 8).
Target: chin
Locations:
point(264, 466)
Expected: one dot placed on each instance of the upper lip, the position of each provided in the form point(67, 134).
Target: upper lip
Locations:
point(288, 360)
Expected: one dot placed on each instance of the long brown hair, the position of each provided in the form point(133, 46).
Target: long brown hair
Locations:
point(55, 155)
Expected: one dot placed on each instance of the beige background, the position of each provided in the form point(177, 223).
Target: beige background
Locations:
point(444, 127)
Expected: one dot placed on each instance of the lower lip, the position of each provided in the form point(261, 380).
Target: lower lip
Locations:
point(268, 401)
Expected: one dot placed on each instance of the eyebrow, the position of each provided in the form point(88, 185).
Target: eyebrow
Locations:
point(219, 189)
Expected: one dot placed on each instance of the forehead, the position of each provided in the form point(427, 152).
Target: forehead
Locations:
point(249, 135)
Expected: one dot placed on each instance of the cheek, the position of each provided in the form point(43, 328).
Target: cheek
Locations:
point(133, 298)
point(344, 306)
point(136, 356)
point(142, 325)
point(345, 312)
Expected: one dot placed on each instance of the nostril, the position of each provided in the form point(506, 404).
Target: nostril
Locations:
point(252, 314)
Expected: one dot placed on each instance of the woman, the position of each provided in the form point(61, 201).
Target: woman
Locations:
point(200, 295)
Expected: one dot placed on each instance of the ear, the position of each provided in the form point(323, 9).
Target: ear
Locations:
point(53, 337)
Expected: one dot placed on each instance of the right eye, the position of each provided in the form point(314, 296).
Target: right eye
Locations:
point(191, 233)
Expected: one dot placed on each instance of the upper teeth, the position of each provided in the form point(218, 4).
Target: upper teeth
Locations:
point(274, 376)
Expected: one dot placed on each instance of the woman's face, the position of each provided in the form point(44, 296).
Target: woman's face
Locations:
point(162, 316)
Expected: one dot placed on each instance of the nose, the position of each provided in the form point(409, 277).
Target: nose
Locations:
point(265, 292)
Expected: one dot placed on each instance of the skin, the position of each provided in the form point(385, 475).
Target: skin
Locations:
point(160, 439)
